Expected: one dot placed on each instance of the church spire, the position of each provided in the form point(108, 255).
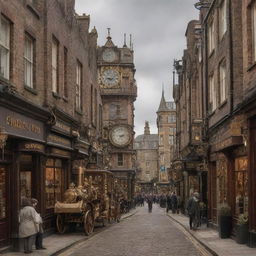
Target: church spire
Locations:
point(146, 128)
point(162, 106)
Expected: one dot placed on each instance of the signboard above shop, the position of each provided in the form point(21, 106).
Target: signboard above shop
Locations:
point(18, 125)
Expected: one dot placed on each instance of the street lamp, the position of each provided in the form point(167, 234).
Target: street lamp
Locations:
point(3, 139)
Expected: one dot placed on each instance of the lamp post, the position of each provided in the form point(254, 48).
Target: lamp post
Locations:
point(3, 138)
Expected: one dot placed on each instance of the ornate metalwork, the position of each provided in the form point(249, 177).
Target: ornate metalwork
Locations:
point(203, 4)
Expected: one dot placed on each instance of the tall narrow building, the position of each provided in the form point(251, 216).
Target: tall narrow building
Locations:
point(166, 124)
point(119, 91)
point(146, 146)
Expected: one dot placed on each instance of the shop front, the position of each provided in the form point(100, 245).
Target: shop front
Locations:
point(56, 175)
point(20, 164)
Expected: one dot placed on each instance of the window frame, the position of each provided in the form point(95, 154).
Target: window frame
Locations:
point(30, 62)
point(211, 38)
point(6, 47)
point(55, 69)
point(222, 99)
point(120, 159)
point(222, 19)
point(78, 89)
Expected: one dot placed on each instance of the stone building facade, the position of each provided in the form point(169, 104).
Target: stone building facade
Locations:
point(224, 65)
point(166, 124)
point(50, 106)
point(147, 170)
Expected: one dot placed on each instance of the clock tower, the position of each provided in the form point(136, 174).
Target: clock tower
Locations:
point(118, 91)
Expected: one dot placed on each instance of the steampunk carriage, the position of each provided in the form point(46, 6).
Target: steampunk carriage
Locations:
point(97, 200)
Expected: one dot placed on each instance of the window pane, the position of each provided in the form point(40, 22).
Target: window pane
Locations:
point(57, 184)
point(4, 47)
point(49, 188)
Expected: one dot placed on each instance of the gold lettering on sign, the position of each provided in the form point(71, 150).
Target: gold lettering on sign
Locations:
point(59, 140)
point(63, 127)
point(20, 124)
point(60, 152)
point(34, 146)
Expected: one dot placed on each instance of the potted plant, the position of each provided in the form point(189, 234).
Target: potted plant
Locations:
point(225, 221)
point(242, 229)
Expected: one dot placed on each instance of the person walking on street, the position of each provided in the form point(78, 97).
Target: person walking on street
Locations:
point(150, 202)
point(193, 210)
point(27, 224)
point(174, 202)
point(168, 202)
point(39, 234)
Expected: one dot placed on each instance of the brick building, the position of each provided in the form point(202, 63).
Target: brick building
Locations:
point(190, 148)
point(50, 106)
point(224, 65)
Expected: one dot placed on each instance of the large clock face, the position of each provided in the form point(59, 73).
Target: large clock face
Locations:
point(120, 136)
point(110, 77)
point(109, 55)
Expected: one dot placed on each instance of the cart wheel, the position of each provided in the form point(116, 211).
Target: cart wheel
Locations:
point(60, 221)
point(88, 223)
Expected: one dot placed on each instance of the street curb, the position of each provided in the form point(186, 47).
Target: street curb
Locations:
point(197, 239)
point(88, 237)
point(129, 215)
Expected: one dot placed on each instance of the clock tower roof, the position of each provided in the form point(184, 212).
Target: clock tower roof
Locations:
point(109, 42)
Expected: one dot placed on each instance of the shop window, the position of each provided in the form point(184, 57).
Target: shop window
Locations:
point(53, 182)
point(241, 185)
point(222, 181)
point(2, 193)
point(25, 184)
point(26, 168)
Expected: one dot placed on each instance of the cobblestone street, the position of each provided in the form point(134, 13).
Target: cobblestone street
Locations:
point(149, 234)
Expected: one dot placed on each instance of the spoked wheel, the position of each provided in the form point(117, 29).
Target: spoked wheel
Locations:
point(88, 223)
point(60, 221)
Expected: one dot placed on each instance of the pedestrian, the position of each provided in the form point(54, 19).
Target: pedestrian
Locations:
point(150, 202)
point(27, 224)
point(39, 234)
point(193, 210)
point(174, 202)
point(168, 202)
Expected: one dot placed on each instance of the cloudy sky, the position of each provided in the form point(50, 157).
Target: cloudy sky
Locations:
point(158, 30)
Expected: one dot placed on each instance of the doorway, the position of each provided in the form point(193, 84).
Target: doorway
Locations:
point(4, 206)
